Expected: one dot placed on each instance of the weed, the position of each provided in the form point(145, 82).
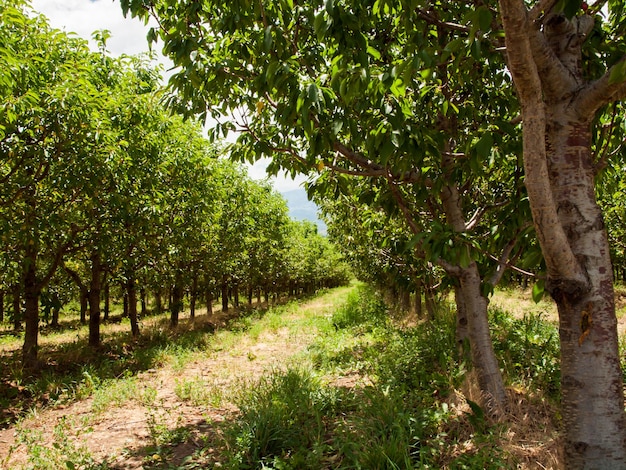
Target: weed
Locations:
point(283, 422)
point(162, 437)
point(528, 348)
point(362, 307)
point(199, 392)
point(63, 452)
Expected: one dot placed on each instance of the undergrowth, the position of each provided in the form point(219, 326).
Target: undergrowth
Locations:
point(406, 412)
point(368, 395)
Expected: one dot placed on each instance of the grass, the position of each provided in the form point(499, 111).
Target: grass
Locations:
point(365, 393)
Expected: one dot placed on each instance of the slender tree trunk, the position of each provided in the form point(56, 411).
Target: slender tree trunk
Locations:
point(417, 304)
point(405, 300)
point(236, 295)
point(54, 323)
point(224, 297)
point(31, 308)
point(430, 301)
point(144, 305)
point(250, 295)
point(95, 287)
point(17, 310)
point(84, 303)
point(470, 289)
point(483, 357)
point(158, 300)
point(1, 306)
point(107, 300)
point(209, 301)
point(176, 304)
point(131, 300)
point(193, 297)
point(125, 313)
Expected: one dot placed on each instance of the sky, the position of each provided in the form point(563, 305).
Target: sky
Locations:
point(83, 17)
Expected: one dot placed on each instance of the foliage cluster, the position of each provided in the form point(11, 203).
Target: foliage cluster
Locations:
point(105, 191)
point(401, 414)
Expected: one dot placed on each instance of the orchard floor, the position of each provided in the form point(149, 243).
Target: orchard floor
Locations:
point(125, 433)
point(122, 436)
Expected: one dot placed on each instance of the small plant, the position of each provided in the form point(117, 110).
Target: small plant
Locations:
point(63, 452)
point(363, 307)
point(283, 423)
point(199, 392)
point(162, 437)
point(529, 350)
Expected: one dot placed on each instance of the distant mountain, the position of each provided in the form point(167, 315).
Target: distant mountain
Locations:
point(300, 208)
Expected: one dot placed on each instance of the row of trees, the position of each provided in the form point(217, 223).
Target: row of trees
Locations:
point(481, 125)
point(98, 181)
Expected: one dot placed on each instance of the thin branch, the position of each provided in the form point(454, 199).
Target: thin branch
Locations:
point(442, 24)
point(600, 92)
point(403, 206)
point(503, 261)
point(480, 212)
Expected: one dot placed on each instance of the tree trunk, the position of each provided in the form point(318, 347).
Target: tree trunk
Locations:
point(470, 289)
point(417, 299)
point(95, 287)
point(144, 306)
point(224, 297)
point(84, 303)
point(125, 313)
point(592, 382)
point(558, 106)
point(193, 297)
point(209, 301)
point(31, 308)
point(107, 300)
point(483, 357)
point(131, 301)
point(1, 306)
point(176, 304)
point(236, 296)
point(158, 301)
point(54, 323)
point(17, 310)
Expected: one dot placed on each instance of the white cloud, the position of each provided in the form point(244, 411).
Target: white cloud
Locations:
point(83, 17)
point(128, 36)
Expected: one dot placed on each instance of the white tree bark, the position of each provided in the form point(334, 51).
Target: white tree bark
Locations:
point(557, 107)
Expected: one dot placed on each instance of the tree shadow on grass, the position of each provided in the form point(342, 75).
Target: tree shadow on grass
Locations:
point(199, 444)
point(69, 366)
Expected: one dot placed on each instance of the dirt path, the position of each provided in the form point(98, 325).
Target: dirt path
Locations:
point(124, 434)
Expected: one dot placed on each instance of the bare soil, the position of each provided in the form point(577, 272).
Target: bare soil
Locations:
point(121, 435)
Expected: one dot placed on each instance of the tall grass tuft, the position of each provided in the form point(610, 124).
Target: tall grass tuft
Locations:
point(283, 422)
point(528, 348)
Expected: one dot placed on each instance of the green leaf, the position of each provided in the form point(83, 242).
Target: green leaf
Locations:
point(267, 39)
point(484, 145)
point(538, 290)
point(373, 52)
point(484, 18)
point(618, 73)
point(464, 257)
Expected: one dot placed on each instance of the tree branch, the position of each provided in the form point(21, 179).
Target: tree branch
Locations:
point(441, 24)
point(561, 263)
point(599, 93)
